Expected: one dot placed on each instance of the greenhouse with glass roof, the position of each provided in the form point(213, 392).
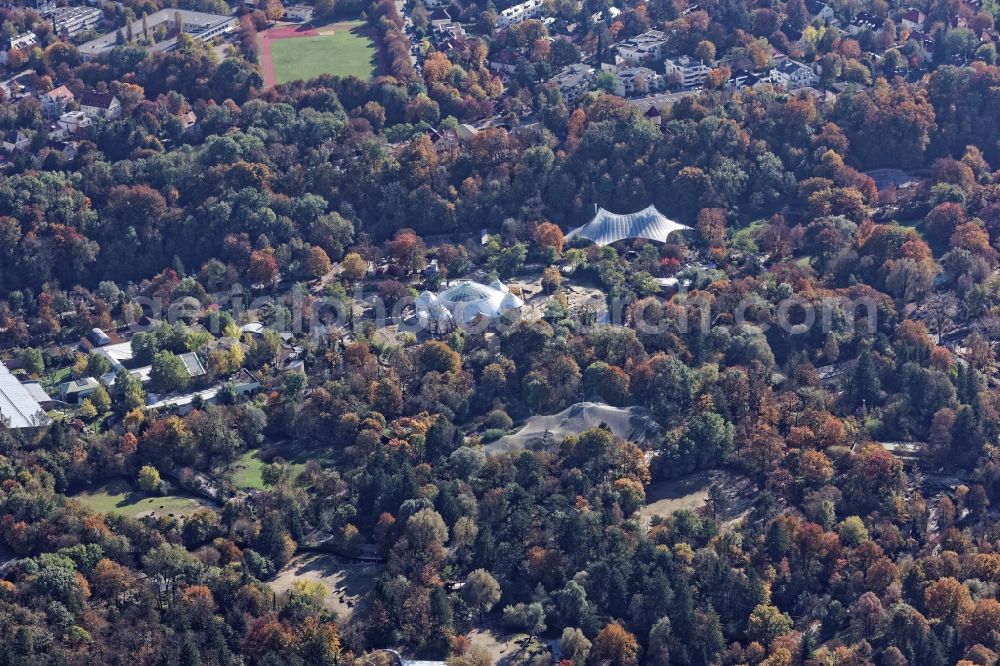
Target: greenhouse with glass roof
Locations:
point(464, 302)
point(606, 227)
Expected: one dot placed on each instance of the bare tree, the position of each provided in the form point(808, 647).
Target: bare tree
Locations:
point(942, 308)
point(989, 326)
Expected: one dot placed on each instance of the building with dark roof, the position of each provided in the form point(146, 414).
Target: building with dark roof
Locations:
point(15, 140)
point(792, 75)
point(104, 105)
point(76, 390)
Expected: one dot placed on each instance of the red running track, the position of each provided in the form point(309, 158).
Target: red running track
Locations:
point(266, 60)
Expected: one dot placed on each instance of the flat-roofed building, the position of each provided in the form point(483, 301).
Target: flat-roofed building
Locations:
point(199, 25)
point(118, 355)
point(24, 41)
point(520, 12)
point(637, 81)
point(73, 122)
point(69, 21)
point(574, 80)
point(642, 48)
point(36, 391)
point(686, 71)
point(301, 13)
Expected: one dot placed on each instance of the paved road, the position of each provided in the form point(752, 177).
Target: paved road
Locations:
point(408, 23)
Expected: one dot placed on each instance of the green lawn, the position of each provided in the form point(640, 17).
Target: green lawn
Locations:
point(119, 497)
point(745, 235)
point(246, 468)
point(57, 377)
point(344, 53)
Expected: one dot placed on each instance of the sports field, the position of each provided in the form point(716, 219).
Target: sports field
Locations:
point(118, 497)
point(342, 49)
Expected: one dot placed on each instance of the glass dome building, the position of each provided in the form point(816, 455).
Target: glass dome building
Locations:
point(467, 301)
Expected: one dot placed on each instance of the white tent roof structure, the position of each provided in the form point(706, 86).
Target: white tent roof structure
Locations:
point(631, 423)
point(607, 227)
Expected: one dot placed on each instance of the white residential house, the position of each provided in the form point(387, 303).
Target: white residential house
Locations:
point(15, 141)
point(636, 81)
point(100, 105)
point(55, 101)
point(641, 48)
point(56, 132)
point(301, 13)
point(574, 80)
point(245, 382)
point(687, 71)
point(74, 122)
point(25, 40)
point(791, 75)
point(520, 12)
point(67, 150)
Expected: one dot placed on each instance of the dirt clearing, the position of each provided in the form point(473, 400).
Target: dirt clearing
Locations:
point(348, 581)
point(691, 492)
